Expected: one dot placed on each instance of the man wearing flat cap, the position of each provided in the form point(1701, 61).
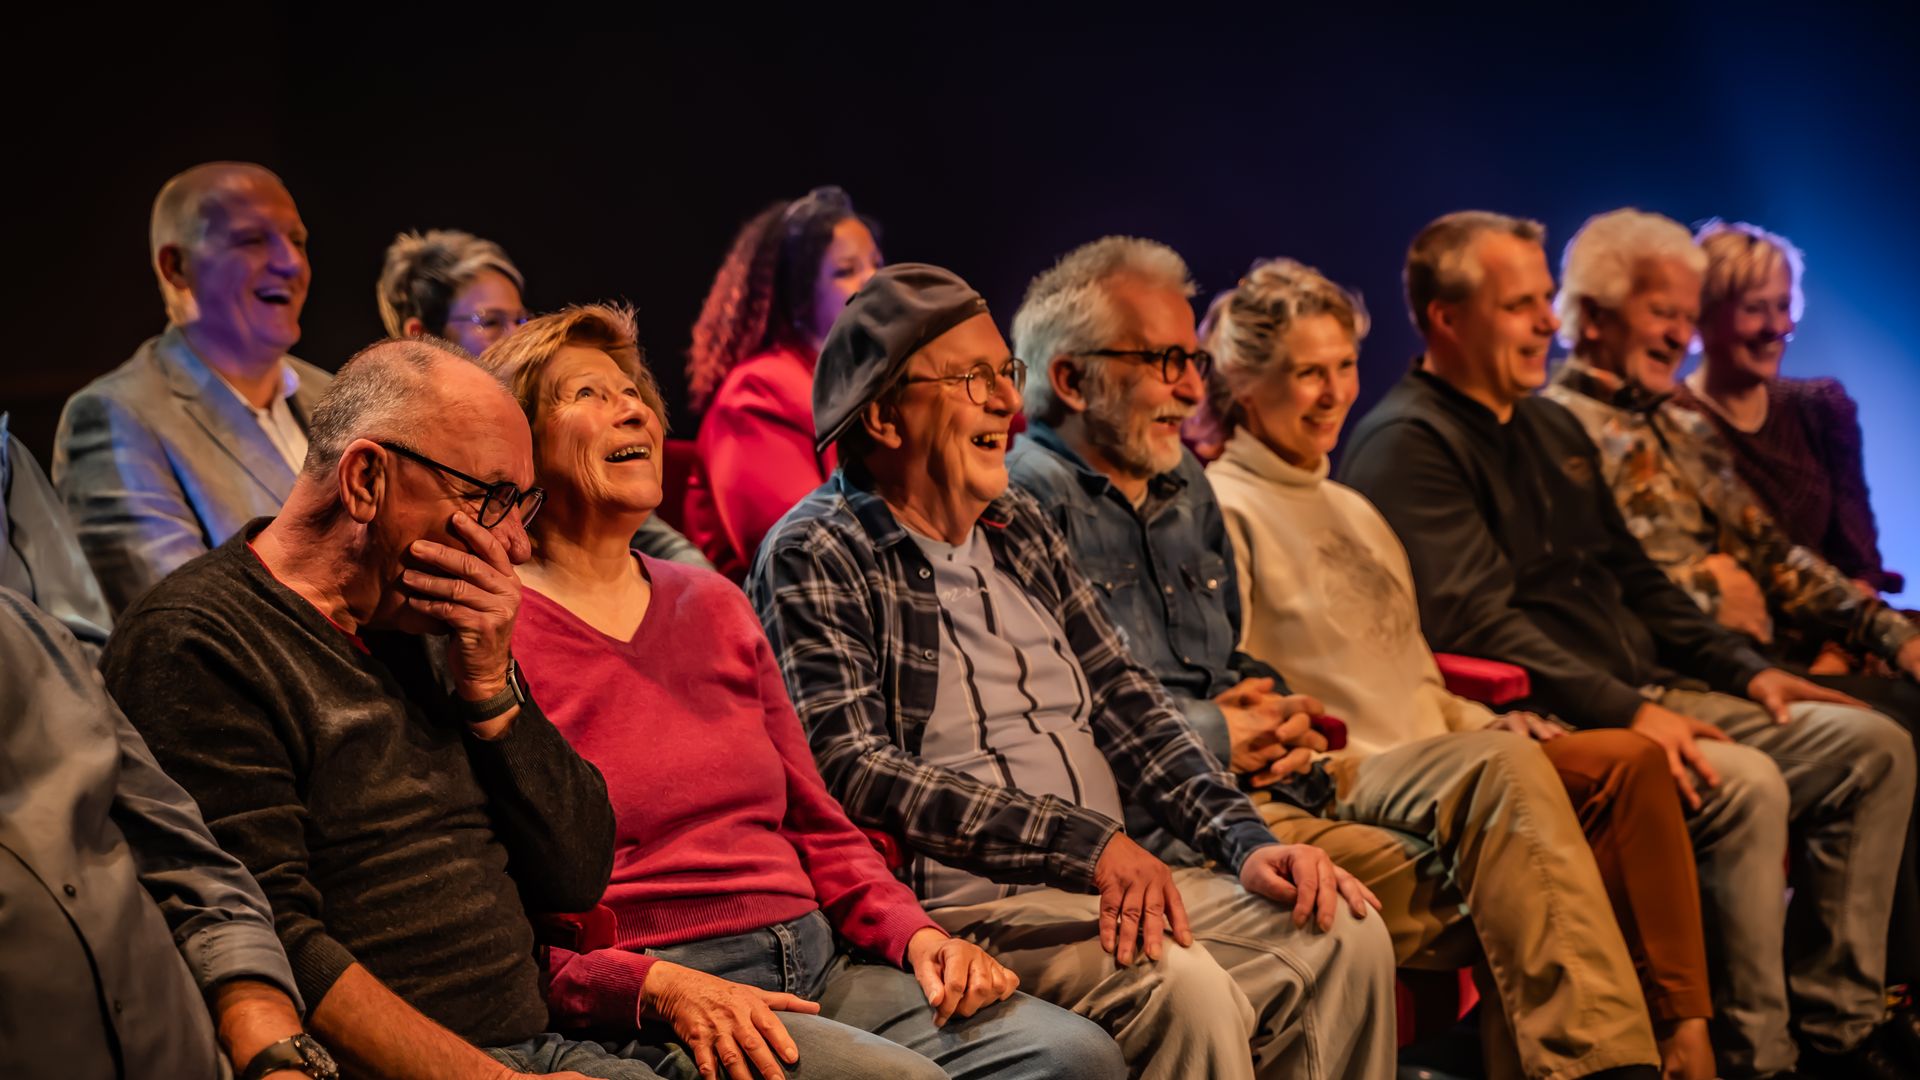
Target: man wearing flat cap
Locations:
point(965, 694)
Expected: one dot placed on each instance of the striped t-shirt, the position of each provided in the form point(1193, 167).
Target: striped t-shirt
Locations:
point(1012, 706)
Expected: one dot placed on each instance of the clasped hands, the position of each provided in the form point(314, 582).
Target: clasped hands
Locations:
point(1271, 734)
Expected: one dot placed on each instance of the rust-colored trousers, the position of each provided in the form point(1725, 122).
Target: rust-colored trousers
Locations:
point(1631, 812)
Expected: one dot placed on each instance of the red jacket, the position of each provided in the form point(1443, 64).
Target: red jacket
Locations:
point(756, 457)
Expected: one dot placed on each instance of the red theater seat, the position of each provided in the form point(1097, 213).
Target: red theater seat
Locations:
point(581, 932)
point(679, 458)
point(1488, 682)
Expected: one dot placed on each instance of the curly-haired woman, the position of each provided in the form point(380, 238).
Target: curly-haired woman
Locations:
point(790, 271)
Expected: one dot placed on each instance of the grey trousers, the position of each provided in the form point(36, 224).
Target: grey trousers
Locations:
point(1842, 780)
point(1253, 997)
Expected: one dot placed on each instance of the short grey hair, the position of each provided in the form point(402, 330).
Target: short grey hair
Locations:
point(1599, 261)
point(386, 391)
point(1247, 326)
point(1441, 264)
point(1067, 309)
point(425, 271)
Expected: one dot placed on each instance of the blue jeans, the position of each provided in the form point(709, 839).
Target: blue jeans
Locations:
point(875, 1022)
point(557, 1053)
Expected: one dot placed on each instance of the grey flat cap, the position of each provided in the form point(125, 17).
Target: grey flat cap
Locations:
point(894, 315)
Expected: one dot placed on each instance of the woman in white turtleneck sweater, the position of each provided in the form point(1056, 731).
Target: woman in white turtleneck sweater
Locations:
point(1327, 596)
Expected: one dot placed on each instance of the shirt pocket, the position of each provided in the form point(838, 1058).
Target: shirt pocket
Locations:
point(1117, 584)
point(1210, 590)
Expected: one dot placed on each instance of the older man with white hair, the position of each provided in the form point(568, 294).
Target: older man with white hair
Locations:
point(205, 426)
point(1629, 301)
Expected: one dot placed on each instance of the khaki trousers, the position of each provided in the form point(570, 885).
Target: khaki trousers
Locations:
point(1253, 997)
point(1478, 822)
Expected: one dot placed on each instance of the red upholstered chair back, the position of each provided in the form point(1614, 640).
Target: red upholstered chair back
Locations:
point(1489, 682)
point(682, 456)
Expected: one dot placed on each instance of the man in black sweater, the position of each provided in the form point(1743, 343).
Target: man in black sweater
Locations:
point(333, 687)
point(1520, 554)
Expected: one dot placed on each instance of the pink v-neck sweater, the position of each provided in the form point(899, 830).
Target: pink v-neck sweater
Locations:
point(723, 825)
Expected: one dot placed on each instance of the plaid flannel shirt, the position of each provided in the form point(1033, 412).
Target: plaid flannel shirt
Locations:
point(849, 605)
point(1675, 482)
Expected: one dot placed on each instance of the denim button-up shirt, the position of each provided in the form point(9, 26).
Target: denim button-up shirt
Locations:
point(1165, 575)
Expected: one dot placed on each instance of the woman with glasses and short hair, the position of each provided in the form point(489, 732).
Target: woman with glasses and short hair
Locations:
point(739, 888)
point(450, 284)
point(790, 271)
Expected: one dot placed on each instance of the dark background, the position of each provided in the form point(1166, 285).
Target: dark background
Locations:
point(615, 159)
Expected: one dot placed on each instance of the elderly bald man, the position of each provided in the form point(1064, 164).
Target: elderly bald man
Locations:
point(333, 687)
point(205, 426)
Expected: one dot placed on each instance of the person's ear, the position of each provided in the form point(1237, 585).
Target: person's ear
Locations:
point(881, 421)
point(171, 263)
point(1441, 314)
point(363, 477)
point(413, 327)
point(1068, 380)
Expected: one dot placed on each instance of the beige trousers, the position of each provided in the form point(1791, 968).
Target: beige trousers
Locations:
point(1253, 997)
point(1479, 822)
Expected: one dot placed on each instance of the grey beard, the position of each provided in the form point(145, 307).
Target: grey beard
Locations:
point(1127, 440)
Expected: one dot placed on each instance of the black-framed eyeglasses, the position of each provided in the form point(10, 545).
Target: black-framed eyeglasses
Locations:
point(493, 321)
point(1172, 360)
point(982, 380)
point(496, 498)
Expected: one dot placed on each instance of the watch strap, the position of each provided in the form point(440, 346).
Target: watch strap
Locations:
point(300, 1053)
point(514, 696)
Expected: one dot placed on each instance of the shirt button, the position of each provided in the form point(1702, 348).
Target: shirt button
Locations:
point(926, 654)
point(70, 890)
point(117, 1007)
point(1169, 590)
point(1213, 583)
point(925, 573)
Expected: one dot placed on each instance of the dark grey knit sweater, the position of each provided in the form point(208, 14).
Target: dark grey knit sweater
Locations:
point(334, 769)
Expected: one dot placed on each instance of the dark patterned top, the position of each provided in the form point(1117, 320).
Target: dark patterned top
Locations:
point(1805, 464)
point(1679, 494)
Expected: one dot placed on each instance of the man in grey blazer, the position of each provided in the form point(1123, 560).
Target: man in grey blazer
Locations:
point(204, 428)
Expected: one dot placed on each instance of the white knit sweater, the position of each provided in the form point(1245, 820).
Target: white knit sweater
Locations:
point(1326, 596)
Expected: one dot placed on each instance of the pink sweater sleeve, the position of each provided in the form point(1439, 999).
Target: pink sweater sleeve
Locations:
point(756, 445)
point(860, 897)
point(600, 988)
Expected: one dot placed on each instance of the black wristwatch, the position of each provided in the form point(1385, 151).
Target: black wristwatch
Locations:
point(301, 1053)
point(514, 696)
